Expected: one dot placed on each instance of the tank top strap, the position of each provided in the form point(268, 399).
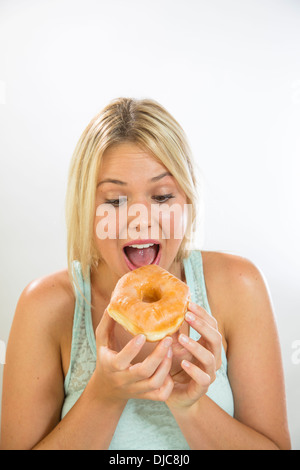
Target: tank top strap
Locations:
point(83, 295)
point(82, 334)
point(195, 279)
point(193, 267)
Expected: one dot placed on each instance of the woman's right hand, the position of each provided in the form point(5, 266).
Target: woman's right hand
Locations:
point(117, 380)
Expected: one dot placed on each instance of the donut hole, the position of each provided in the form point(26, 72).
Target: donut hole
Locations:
point(150, 295)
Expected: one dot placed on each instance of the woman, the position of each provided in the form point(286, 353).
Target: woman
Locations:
point(74, 379)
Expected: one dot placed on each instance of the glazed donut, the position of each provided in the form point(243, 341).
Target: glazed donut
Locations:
point(151, 301)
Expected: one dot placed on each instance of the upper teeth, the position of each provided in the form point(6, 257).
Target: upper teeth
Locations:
point(142, 246)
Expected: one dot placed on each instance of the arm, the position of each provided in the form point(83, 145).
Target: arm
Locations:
point(224, 433)
point(32, 380)
point(33, 392)
point(254, 368)
point(91, 423)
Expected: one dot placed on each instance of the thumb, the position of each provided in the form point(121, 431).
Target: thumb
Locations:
point(104, 330)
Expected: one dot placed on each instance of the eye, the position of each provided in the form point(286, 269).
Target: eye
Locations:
point(163, 198)
point(116, 202)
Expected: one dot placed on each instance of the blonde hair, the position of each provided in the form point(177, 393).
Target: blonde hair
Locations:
point(144, 122)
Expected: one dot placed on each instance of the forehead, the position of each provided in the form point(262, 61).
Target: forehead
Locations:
point(127, 157)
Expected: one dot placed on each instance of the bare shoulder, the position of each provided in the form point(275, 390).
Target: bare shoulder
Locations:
point(236, 287)
point(52, 285)
point(35, 366)
point(41, 331)
point(48, 301)
point(228, 268)
point(240, 300)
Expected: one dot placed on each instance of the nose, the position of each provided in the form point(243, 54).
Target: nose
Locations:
point(139, 220)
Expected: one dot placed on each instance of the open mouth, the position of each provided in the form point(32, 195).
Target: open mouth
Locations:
point(142, 253)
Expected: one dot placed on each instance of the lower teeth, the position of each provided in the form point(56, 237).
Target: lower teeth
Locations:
point(142, 256)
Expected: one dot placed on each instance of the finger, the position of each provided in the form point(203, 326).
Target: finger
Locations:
point(203, 355)
point(106, 358)
point(201, 379)
point(147, 368)
point(211, 336)
point(161, 394)
point(156, 381)
point(165, 391)
point(104, 330)
point(122, 360)
point(202, 313)
point(119, 362)
point(139, 387)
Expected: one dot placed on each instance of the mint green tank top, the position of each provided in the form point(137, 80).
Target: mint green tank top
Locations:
point(144, 424)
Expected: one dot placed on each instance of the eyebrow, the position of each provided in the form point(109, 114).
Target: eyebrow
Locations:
point(122, 183)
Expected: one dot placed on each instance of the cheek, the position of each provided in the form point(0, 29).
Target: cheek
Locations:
point(111, 223)
point(173, 221)
point(105, 223)
point(104, 240)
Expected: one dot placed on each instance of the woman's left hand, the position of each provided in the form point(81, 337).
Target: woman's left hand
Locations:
point(193, 381)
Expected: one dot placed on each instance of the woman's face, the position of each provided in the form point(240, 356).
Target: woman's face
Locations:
point(140, 216)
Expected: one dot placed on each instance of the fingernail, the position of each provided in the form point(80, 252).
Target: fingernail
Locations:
point(167, 342)
point(189, 316)
point(185, 363)
point(183, 339)
point(140, 339)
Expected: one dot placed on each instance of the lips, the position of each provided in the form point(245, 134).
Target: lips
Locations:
point(141, 252)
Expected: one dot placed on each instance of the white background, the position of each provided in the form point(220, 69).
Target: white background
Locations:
point(229, 72)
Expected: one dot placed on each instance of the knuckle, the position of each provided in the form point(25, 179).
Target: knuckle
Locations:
point(206, 381)
point(166, 390)
point(213, 377)
point(105, 357)
point(155, 383)
point(218, 337)
point(139, 372)
point(163, 395)
point(217, 340)
point(201, 323)
point(115, 363)
point(209, 359)
point(143, 372)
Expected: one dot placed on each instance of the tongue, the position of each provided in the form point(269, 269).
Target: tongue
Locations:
point(141, 257)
